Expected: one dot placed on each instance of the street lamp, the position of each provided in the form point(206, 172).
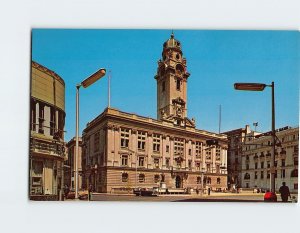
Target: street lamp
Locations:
point(202, 179)
point(86, 83)
point(261, 87)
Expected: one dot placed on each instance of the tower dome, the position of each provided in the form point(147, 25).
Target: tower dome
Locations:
point(172, 43)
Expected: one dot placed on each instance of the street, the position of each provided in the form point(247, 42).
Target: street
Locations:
point(216, 197)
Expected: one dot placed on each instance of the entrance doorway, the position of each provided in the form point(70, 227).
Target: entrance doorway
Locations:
point(178, 182)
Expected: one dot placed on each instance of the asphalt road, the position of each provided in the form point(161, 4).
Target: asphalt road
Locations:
point(180, 198)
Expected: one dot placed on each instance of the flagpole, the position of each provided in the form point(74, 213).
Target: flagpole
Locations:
point(109, 73)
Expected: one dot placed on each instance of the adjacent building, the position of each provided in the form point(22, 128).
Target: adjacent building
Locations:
point(236, 139)
point(69, 167)
point(256, 156)
point(122, 151)
point(47, 120)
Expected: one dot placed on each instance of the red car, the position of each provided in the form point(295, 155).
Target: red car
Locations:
point(270, 197)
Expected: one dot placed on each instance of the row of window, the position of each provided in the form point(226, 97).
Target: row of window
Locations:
point(40, 125)
point(294, 173)
point(262, 164)
point(157, 178)
point(141, 163)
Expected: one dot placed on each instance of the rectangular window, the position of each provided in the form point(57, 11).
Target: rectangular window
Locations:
point(96, 142)
point(156, 142)
point(218, 168)
point(41, 118)
point(262, 174)
point(283, 162)
point(167, 149)
point(52, 121)
point(283, 173)
point(33, 115)
point(124, 161)
point(178, 85)
point(296, 161)
point(218, 153)
point(156, 162)
point(190, 164)
point(268, 175)
point(37, 180)
point(190, 151)
point(268, 165)
point(167, 162)
point(163, 86)
point(208, 154)
point(247, 166)
point(141, 161)
point(262, 165)
point(255, 175)
point(124, 138)
point(256, 165)
point(197, 165)
point(198, 149)
point(178, 146)
point(141, 140)
point(208, 167)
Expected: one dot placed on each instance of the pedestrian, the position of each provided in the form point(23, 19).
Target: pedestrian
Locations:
point(197, 191)
point(284, 192)
point(90, 191)
point(208, 191)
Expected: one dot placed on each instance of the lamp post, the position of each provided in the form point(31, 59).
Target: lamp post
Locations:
point(202, 179)
point(86, 83)
point(261, 87)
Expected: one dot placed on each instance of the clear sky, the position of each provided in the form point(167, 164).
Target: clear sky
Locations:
point(215, 60)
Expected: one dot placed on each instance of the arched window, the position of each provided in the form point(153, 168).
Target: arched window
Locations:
point(124, 177)
point(247, 176)
point(294, 173)
point(208, 180)
point(141, 178)
point(156, 178)
point(218, 180)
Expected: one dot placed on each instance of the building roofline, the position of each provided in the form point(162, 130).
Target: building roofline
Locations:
point(47, 71)
point(113, 112)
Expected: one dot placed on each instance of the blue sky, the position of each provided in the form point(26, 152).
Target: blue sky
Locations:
point(215, 60)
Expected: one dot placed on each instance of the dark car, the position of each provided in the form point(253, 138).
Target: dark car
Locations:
point(145, 191)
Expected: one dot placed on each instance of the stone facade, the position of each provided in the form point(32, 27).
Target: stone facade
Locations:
point(256, 156)
point(47, 147)
point(124, 151)
point(149, 152)
point(236, 138)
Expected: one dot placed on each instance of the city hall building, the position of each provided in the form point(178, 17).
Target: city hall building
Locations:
point(47, 147)
point(122, 151)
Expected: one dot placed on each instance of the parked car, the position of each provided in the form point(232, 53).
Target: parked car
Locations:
point(82, 194)
point(71, 194)
point(145, 191)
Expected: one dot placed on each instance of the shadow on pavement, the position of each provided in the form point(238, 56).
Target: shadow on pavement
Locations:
point(215, 200)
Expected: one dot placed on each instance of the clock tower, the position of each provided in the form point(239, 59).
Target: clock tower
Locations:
point(171, 81)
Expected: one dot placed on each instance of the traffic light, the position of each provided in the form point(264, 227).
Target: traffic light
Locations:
point(212, 142)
